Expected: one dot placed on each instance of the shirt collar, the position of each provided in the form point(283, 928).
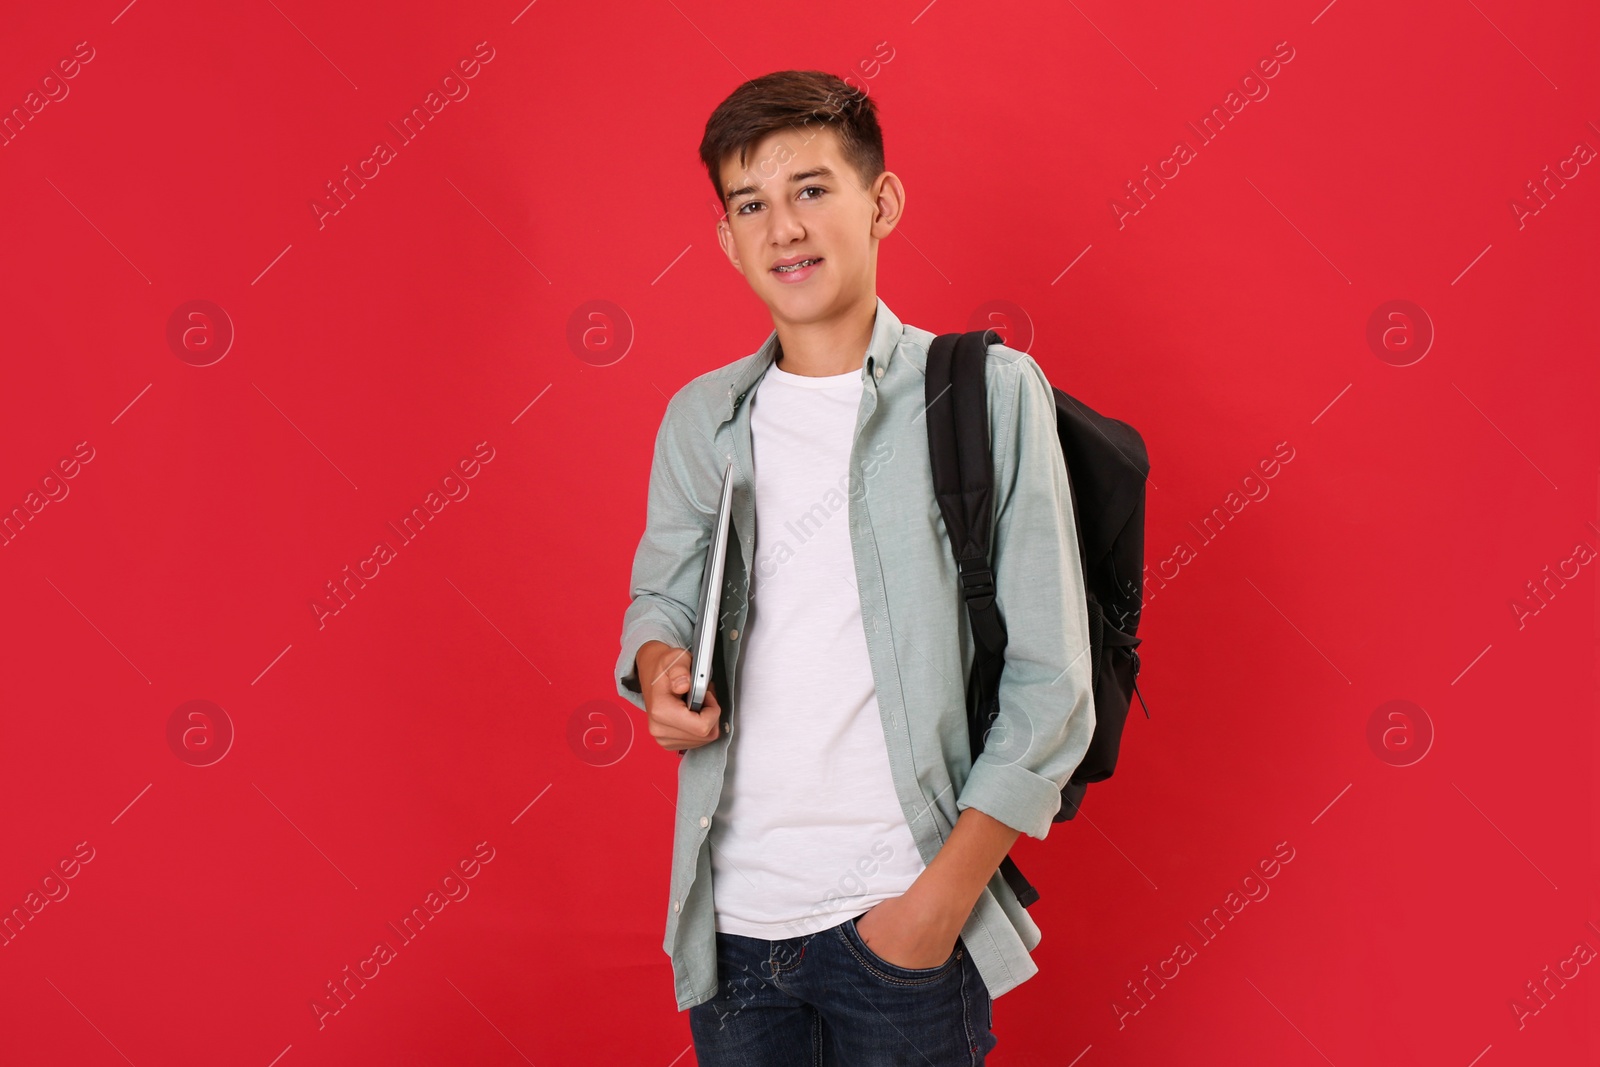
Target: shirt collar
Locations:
point(886, 332)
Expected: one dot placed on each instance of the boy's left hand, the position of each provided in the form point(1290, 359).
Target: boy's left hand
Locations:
point(907, 932)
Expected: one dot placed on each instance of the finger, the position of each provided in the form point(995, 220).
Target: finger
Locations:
point(675, 743)
point(670, 738)
point(707, 733)
point(678, 673)
point(672, 658)
point(676, 717)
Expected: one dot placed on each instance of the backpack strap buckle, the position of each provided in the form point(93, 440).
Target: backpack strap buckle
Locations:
point(977, 582)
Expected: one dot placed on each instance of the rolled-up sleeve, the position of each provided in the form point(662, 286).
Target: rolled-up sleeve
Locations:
point(1046, 698)
point(670, 560)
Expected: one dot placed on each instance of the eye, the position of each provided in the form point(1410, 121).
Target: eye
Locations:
point(754, 203)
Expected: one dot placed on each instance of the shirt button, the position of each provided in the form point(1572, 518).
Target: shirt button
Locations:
point(677, 905)
point(878, 373)
point(733, 635)
point(704, 821)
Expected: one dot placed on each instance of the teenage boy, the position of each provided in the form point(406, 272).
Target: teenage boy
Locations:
point(835, 893)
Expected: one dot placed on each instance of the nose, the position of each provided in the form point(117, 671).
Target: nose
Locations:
point(784, 225)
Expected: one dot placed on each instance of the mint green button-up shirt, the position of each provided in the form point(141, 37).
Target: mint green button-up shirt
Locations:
point(917, 632)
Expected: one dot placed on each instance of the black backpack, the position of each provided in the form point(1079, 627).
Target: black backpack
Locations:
point(1107, 466)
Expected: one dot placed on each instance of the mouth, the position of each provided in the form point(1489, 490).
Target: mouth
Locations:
point(799, 271)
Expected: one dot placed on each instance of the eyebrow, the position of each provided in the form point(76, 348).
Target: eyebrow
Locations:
point(805, 175)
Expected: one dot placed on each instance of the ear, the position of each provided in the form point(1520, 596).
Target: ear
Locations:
point(729, 249)
point(889, 204)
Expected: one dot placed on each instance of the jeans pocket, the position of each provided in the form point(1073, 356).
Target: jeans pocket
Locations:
point(892, 972)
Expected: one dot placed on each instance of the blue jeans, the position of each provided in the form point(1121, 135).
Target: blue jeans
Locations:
point(827, 1000)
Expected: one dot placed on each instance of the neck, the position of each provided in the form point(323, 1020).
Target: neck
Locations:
point(824, 347)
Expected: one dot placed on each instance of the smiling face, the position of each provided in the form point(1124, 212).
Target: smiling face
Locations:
point(798, 199)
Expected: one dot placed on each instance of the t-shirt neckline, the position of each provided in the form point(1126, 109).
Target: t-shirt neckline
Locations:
point(810, 381)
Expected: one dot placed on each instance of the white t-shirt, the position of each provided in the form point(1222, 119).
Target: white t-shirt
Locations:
point(808, 831)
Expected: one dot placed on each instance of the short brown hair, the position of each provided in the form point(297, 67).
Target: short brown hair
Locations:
point(793, 99)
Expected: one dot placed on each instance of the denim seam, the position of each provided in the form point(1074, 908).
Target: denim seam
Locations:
point(899, 980)
point(966, 1019)
point(777, 968)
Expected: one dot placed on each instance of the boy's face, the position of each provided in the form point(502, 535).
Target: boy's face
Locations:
point(797, 198)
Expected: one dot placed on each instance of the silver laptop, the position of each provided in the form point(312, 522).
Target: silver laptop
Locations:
point(708, 620)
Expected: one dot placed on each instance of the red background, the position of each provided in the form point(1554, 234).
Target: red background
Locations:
point(464, 695)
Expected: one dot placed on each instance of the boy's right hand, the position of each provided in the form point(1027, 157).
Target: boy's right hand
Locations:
point(664, 670)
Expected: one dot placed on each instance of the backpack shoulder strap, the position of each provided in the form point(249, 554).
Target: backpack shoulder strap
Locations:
point(957, 411)
point(956, 407)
